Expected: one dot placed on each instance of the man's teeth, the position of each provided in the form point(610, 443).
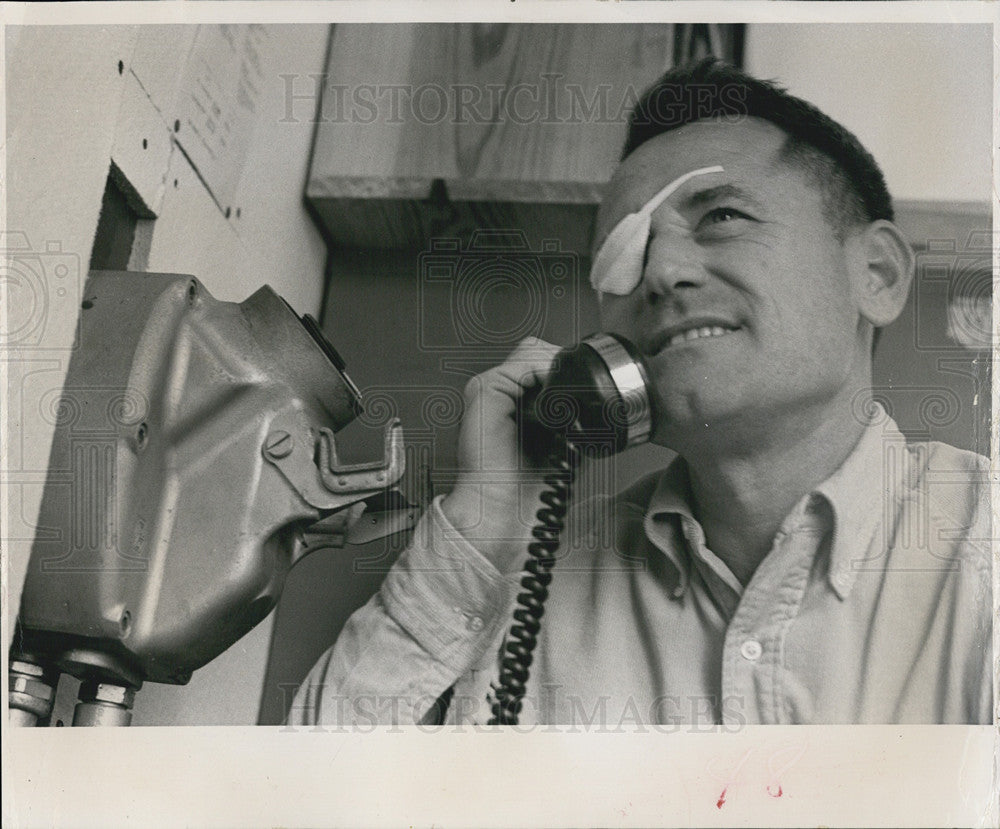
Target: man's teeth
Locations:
point(698, 333)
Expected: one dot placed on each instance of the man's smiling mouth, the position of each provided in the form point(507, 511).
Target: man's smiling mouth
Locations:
point(700, 333)
point(680, 334)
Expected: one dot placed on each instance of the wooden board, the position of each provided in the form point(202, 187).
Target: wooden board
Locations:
point(485, 118)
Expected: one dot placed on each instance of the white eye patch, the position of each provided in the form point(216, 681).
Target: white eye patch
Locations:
point(617, 268)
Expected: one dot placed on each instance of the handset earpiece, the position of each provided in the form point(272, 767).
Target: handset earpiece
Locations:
point(598, 388)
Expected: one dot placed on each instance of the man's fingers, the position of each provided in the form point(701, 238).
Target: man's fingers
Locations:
point(529, 364)
point(534, 349)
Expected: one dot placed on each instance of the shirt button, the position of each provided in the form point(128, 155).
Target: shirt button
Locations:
point(751, 650)
point(475, 623)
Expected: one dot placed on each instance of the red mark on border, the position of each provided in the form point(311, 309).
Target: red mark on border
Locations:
point(779, 761)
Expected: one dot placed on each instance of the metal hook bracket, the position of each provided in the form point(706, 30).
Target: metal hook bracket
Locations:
point(307, 459)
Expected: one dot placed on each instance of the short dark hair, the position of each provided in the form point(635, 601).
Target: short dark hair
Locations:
point(853, 187)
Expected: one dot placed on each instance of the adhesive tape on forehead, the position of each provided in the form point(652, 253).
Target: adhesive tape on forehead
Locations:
point(617, 268)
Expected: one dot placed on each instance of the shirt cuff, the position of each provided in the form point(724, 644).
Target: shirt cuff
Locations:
point(446, 594)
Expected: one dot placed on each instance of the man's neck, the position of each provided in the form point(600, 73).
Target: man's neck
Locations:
point(741, 495)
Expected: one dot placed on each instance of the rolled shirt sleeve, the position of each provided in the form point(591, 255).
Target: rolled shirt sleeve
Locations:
point(440, 608)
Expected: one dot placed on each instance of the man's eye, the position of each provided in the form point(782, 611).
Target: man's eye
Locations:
point(720, 215)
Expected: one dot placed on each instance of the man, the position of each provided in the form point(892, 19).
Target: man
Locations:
point(797, 562)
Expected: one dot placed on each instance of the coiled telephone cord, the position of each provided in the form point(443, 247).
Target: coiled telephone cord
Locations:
point(515, 664)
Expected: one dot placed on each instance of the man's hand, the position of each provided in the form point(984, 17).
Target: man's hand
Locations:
point(496, 493)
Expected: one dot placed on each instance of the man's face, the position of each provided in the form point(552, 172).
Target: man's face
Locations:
point(745, 258)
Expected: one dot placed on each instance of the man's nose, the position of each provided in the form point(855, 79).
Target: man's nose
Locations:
point(672, 262)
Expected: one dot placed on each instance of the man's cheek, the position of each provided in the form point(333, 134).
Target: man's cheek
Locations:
point(619, 315)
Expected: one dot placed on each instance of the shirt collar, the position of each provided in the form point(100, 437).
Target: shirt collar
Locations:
point(866, 486)
point(863, 495)
point(672, 496)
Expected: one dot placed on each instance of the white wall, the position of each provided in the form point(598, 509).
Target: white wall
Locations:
point(920, 97)
point(68, 110)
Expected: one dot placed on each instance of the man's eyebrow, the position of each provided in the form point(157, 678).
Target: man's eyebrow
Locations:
point(722, 191)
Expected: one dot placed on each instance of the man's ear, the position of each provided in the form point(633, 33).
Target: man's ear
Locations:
point(884, 263)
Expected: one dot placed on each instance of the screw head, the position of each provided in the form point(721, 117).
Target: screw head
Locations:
point(279, 444)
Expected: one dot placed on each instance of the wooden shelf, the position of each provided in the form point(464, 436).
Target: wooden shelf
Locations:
point(434, 129)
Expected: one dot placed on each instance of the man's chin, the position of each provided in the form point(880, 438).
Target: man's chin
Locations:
point(690, 404)
point(680, 427)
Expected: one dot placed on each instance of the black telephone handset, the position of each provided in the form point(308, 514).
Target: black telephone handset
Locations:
point(598, 391)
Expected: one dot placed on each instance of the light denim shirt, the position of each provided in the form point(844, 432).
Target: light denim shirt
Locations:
point(873, 605)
